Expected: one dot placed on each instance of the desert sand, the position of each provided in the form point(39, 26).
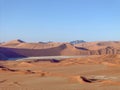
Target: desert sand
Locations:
point(97, 72)
point(95, 66)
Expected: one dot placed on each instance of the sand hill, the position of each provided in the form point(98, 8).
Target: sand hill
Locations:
point(37, 45)
point(25, 45)
point(18, 48)
point(63, 49)
point(12, 43)
point(99, 45)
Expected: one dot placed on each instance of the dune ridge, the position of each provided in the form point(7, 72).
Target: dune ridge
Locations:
point(19, 48)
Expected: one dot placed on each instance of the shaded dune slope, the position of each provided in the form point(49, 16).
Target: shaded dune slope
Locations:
point(64, 49)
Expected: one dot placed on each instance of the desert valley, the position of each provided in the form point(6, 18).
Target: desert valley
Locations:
point(59, 44)
point(83, 66)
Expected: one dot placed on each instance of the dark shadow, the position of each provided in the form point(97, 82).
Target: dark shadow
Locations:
point(44, 60)
point(21, 53)
point(81, 48)
point(92, 80)
point(10, 53)
point(54, 61)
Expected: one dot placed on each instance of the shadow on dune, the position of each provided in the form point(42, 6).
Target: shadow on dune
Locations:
point(81, 48)
point(9, 53)
point(19, 52)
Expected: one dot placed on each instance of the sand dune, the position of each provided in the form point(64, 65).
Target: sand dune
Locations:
point(37, 45)
point(109, 60)
point(63, 49)
point(99, 45)
point(18, 48)
point(12, 43)
point(25, 45)
point(98, 71)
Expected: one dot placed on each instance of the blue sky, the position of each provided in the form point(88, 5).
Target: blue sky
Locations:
point(60, 20)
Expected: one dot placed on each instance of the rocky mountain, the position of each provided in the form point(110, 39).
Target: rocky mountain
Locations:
point(77, 41)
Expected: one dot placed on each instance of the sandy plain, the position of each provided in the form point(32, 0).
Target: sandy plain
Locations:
point(97, 72)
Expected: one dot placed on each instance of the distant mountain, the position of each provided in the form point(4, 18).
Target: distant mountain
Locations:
point(77, 42)
point(43, 42)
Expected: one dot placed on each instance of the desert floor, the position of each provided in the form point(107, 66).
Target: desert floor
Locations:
point(85, 73)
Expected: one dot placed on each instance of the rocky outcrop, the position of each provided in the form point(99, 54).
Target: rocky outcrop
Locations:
point(77, 42)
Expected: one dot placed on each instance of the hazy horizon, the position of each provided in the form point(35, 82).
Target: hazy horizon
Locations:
point(59, 20)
